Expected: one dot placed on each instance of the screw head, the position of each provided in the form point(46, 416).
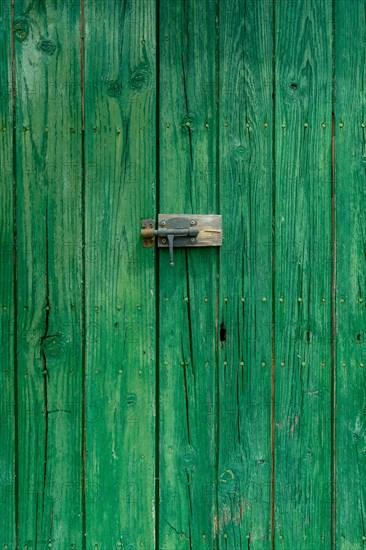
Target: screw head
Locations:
point(193, 222)
point(163, 223)
point(163, 241)
point(193, 240)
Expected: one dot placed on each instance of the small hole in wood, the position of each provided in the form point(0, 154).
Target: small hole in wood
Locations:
point(222, 333)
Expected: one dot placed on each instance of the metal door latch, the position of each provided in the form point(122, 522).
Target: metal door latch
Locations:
point(177, 231)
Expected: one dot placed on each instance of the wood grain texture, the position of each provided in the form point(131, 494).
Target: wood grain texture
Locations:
point(48, 188)
point(302, 292)
point(219, 404)
point(245, 307)
point(120, 188)
point(188, 292)
point(350, 189)
point(8, 378)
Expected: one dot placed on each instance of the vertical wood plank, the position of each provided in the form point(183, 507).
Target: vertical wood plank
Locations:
point(187, 292)
point(350, 189)
point(120, 140)
point(48, 170)
point(7, 312)
point(245, 310)
point(303, 98)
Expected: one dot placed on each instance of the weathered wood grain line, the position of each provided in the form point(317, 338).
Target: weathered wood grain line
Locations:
point(303, 96)
point(7, 288)
point(245, 307)
point(120, 189)
point(187, 293)
point(48, 168)
point(350, 193)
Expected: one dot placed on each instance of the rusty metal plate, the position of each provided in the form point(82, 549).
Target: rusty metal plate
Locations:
point(209, 227)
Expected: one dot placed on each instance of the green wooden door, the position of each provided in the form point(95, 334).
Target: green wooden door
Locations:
point(219, 404)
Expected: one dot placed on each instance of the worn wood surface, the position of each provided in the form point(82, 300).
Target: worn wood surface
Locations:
point(187, 292)
point(8, 375)
point(120, 287)
point(48, 269)
point(245, 306)
point(302, 285)
point(219, 404)
point(350, 189)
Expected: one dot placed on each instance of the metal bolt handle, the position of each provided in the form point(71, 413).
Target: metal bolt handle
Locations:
point(150, 233)
point(170, 234)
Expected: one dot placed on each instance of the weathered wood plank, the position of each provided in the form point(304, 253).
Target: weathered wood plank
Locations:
point(120, 185)
point(7, 304)
point(245, 307)
point(350, 192)
point(187, 292)
point(48, 187)
point(302, 297)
